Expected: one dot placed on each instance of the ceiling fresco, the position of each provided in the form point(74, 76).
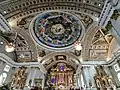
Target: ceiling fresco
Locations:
point(56, 29)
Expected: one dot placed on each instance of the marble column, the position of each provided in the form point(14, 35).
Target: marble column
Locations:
point(28, 77)
point(79, 80)
point(43, 80)
point(114, 75)
point(83, 70)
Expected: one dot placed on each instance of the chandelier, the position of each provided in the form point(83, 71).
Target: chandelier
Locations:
point(78, 45)
point(10, 47)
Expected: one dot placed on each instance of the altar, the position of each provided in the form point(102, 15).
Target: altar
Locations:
point(62, 76)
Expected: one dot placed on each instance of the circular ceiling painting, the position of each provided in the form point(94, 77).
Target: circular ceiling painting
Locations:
point(56, 29)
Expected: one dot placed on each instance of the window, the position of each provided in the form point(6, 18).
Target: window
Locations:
point(116, 67)
point(118, 76)
point(3, 77)
point(7, 68)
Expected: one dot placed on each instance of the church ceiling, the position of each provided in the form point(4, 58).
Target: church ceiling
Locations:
point(95, 42)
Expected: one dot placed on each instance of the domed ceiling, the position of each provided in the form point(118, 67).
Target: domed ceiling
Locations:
point(56, 29)
point(56, 25)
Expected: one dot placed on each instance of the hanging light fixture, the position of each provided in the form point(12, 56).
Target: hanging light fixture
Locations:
point(10, 47)
point(78, 46)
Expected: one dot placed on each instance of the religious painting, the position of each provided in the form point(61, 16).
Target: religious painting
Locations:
point(60, 57)
point(98, 54)
point(56, 29)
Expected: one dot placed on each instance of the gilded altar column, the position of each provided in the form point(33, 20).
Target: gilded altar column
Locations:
point(67, 79)
point(56, 79)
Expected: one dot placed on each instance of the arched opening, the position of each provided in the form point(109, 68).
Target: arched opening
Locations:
point(62, 70)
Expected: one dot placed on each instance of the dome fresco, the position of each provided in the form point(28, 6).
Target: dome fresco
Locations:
point(56, 29)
